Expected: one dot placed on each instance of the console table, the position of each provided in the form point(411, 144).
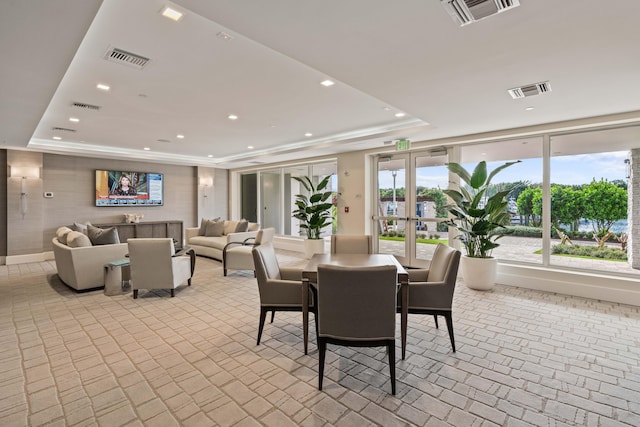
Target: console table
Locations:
point(128, 230)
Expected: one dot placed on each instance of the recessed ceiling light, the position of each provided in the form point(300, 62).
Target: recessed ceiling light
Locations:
point(146, 148)
point(327, 83)
point(232, 117)
point(209, 155)
point(180, 136)
point(224, 36)
point(400, 114)
point(308, 134)
point(250, 147)
point(173, 14)
point(102, 86)
point(74, 119)
point(57, 138)
point(530, 108)
point(386, 108)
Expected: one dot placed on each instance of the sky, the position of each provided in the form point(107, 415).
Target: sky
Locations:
point(575, 169)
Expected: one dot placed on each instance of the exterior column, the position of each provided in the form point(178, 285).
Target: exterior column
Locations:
point(633, 206)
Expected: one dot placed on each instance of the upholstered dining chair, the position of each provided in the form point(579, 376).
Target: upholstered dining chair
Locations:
point(280, 288)
point(154, 265)
point(238, 256)
point(371, 322)
point(431, 290)
point(351, 244)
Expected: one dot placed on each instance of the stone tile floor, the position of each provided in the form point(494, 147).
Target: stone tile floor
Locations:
point(524, 358)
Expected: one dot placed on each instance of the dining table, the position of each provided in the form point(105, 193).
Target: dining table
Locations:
point(310, 278)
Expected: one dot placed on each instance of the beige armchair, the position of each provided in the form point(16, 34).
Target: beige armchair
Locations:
point(238, 256)
point(351, 244)
point(280, 287)
point(431, 290)
point(155, 265)
point(371, 322)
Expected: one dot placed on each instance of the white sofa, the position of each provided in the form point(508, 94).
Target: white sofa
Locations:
point(212, 247)
point(83, 268)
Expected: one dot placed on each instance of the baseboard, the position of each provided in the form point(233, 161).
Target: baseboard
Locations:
point(27, 258)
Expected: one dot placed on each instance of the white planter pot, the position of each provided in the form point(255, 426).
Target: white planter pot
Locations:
point(479, 273)
point(313, 246)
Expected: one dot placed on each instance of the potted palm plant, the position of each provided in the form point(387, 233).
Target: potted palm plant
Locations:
point(314, 212)
point(480, 220)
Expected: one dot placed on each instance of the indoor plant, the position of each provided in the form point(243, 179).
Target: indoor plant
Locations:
point(480, 220)
point(313, 211)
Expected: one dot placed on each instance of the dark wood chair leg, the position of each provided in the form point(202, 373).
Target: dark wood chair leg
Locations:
point(435, 317)
point(135, 294)
point(391, 349)
point(263, 316)
point(189, 282)
point(173, 293)
point(322, 349)
point(225, 272)
point(273, 314)
point(449, 320)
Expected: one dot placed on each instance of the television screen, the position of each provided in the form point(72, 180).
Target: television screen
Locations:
point(120, 188)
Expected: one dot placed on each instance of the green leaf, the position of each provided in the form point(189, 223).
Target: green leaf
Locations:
point(479, 175)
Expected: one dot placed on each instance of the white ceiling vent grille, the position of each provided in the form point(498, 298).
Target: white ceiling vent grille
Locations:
point(465, 12)
point(529, 90)
point(84, 106)
point(127, 58)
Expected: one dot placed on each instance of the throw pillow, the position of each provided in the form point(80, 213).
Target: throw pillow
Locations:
point(214, 229)
point(76, 239)
point(253, 226)
point(242, 226)
point(103, 236)
point(203, 225)
point(230, 227)
point(81, 227)
point(61, 234)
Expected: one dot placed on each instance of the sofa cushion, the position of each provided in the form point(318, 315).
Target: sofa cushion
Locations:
point(230, 226)
point(209, 242)
point(203, 225)
point(103, 236)
point(61, 234)
point(76, 239)
point(242, 226)
point(253, 226)
point(81, 227)
point(214, 229)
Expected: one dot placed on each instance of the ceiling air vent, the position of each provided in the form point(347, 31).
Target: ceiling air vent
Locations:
point(59, 129)
point(127, 58)
point(530, 90)
point(86, 106)
point(465, 12)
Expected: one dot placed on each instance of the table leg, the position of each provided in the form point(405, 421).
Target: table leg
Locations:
point(404, 293)
point(305, 312)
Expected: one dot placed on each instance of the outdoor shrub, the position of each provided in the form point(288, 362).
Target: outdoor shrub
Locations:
point(590, 251)
point(523, 231)
point(392, 233)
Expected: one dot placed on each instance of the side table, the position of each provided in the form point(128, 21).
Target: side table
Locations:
point(116, 273)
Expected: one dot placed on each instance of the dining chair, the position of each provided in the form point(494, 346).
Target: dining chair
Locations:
point(238, 256)
point(431, 290)
point(351, 244)
point(154, 265)
point(280, 288)
point(371, 322)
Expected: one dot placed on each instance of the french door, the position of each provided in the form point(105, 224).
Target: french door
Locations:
point(409, 205)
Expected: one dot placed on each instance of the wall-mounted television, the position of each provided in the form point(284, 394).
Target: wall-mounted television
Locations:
point(122, 188)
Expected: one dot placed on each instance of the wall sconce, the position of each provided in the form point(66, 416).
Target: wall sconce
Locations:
point(627, 163)
point(24, 172)
point(206, 182)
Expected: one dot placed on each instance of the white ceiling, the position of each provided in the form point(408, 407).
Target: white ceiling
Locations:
point(385, 57)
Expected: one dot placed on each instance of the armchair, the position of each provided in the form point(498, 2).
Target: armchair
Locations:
point(238, 256)
point(280, 287)
point(155, 265)
point(431, 290)
point(369, 323)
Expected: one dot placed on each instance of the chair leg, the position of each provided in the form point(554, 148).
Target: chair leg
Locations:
point(449, 320)
point(225, 272)
point(189, 282)
point(273, 314)
point(135, 294)
point(435, 317)
point(322, 350)
point(263, 316)
point(173, 293)
point(391, 349)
